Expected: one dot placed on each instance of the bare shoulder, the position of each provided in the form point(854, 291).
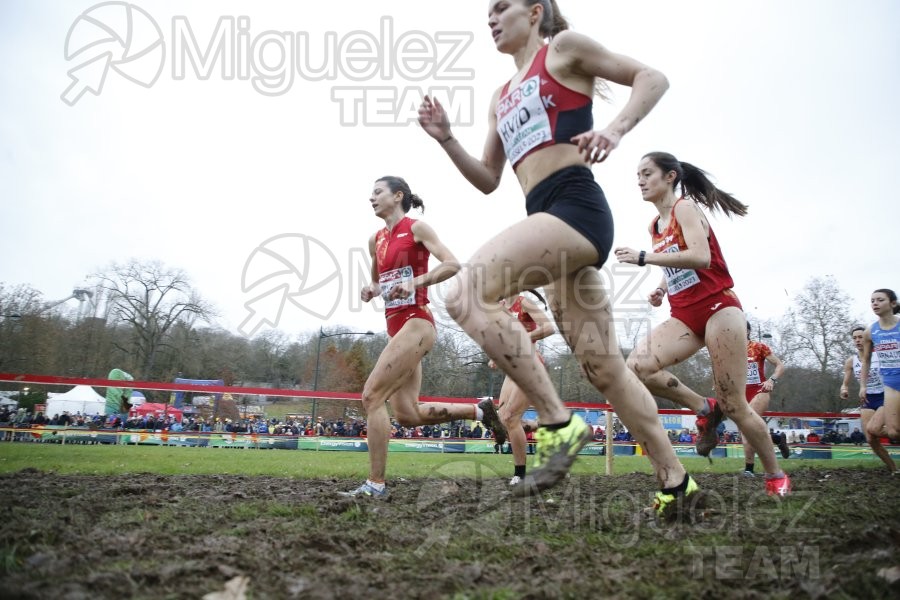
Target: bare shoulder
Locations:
point(686, 208)
point(422, 230)
point(572, 43)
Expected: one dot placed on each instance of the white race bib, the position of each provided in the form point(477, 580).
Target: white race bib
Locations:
point(753, 373)
point(522, 120)
point(678, 280)
point(874, 385)
point(888, 354)
point(390, 279)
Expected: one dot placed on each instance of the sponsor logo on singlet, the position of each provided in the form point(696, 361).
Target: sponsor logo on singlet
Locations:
point(888, 354)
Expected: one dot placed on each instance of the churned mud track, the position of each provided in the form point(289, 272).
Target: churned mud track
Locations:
point(149, 536)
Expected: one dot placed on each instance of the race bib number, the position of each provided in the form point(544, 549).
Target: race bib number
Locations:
point(753, 373)
point(522, 120)
point(888, 354)
point(874, 385)
point(679, 280)
point(389, 280)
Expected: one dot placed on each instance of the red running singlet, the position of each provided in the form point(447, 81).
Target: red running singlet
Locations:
point(519, 312)
point(400, 258)
point(689, 286)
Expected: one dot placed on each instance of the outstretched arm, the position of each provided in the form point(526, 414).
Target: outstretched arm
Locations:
point(779, 370)
point(848, 375)
point(484, 174)
point(697, 254)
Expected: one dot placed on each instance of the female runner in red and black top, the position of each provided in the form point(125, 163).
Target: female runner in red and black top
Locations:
point(541, 122)
point(705, 311)
point(400, 253)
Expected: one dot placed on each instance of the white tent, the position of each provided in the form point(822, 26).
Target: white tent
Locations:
point(80, 399)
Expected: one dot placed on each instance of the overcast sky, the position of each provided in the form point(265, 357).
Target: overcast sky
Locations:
point(223, 168)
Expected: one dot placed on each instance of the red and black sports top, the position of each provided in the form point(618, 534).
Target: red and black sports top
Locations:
point(540, 112)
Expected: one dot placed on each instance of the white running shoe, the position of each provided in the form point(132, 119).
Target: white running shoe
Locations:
point(366, 490)
point(515, 479)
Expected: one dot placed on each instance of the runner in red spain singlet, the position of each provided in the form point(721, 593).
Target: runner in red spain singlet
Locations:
point(757, 353)
point(686, 286)
point(704, 310)
point(400, 274)
point(400, 259)
point(758, 394)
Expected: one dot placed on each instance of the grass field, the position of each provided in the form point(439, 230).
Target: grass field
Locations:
point(172, 460)
point(174, 522)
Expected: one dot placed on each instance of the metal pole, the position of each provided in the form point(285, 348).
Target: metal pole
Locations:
point(316, 378)
point(609, 443)
point(318, 357)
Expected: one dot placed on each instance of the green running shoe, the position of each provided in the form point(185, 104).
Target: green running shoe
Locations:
point(667, 507)
point(556, 451)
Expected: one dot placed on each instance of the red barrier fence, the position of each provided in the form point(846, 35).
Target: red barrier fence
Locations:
point(25, 378)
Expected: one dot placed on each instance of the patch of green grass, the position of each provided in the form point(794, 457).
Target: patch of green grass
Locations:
point(353, 514)
point(308, 464)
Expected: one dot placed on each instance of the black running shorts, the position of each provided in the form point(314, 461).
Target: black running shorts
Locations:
point(572, 195)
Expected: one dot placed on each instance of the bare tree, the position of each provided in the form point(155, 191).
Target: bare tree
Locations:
point(815, 331)
point(151, 299)
point(20, 306)
point(456, 366)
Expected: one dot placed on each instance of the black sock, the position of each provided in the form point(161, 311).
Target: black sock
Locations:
point(680, 488)
point(519, 471)
point(556, 426)
point(748, 467)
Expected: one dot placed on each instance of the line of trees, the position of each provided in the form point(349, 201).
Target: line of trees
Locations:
point(150, 321)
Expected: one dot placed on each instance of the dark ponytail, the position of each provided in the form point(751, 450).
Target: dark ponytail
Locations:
point(695, 184)
point(892, 297)
point(410, 200)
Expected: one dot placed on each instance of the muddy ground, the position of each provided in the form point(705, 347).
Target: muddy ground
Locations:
point(149, 536)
